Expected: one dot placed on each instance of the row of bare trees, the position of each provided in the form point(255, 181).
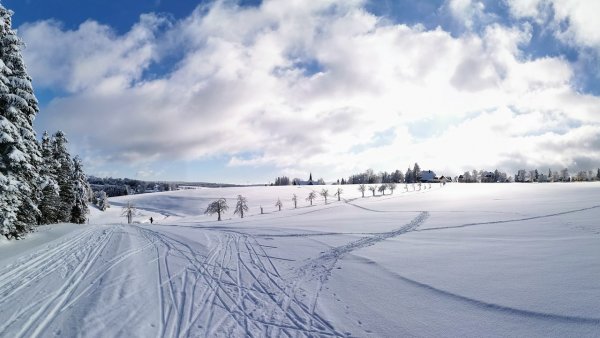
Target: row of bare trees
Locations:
point(220, 206)
point(374, 188)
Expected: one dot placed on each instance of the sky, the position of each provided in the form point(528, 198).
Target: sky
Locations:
point(245, 91)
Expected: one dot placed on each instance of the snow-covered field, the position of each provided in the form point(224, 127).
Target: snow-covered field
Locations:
point(468, 260)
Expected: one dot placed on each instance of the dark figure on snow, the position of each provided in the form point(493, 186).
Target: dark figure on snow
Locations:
point(151, 220)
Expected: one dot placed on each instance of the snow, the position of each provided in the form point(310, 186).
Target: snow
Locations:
point(469, 260)
point(43, 236)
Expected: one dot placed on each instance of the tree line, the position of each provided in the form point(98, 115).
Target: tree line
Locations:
point(412, 175)
point(39, 181)
point(125, 186)
point(528, 176)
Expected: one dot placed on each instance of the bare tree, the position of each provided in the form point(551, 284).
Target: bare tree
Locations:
point(373, 189)
point(392, 187)
point(278, 204)
point(129, 211)
point(382, 188)
point(295, 200)
point(311, 196)
point(362, 188)
point(325, 194)
point(338, 193)
point(217, 207)
point(241, 206)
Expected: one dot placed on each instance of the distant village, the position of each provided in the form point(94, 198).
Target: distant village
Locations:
point(416, 175)
point(120, 187)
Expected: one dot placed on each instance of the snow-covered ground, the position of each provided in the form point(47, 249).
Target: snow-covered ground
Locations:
point(472, 260)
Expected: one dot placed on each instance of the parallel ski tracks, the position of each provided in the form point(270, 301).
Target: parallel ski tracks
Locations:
point(230, 288)
point(80, 250)
point(242, 293)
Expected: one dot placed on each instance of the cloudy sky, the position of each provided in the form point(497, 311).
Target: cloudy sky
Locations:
point(243, 91)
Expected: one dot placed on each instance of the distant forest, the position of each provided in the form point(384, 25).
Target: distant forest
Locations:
point(126, 186)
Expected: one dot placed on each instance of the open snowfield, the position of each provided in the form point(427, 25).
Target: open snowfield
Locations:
point(463, 260)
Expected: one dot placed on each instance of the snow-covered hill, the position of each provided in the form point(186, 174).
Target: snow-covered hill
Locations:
point(459, 260)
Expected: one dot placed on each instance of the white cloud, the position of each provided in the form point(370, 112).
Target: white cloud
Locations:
point(525, 8)
point(302, 86)
point(574, 21)
point(467, 11)
point(93, 56)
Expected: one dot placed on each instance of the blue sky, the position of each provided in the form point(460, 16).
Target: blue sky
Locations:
point(244, 91)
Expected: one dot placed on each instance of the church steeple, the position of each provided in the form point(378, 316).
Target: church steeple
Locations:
point(310, 181)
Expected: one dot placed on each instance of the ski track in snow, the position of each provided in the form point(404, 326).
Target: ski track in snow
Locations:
point(514, 220)
point(232, 288)
point(228, 286)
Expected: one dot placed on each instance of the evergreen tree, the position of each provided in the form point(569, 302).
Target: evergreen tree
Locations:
point(102, 201)
point(81, 189)
point(397, 177)
point(408, 178)
point(416, 173)
point(19, 150)
point(50, 202)
point(63, 176)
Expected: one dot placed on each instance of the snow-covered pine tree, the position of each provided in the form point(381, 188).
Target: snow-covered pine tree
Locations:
point(102, 201)
point(50, 202)
point(63, 176)
point(19, 150)
point(82, 190)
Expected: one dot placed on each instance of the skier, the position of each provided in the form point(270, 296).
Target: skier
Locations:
point(151, 220)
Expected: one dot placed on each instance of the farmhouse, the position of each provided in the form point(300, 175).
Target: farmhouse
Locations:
point(428, 176)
